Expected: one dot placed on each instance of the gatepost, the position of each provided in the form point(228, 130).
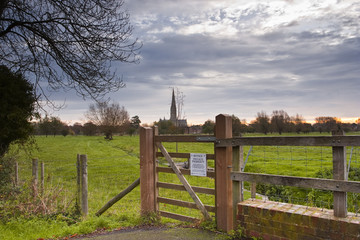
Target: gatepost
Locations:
point(223, 182)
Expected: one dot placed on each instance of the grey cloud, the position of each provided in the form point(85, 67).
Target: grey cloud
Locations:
point(302, 70)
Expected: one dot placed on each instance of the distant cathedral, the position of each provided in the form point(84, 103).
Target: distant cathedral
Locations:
point(173, 116)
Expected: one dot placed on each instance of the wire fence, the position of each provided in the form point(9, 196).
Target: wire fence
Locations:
point(313, 162)
point(106, 178)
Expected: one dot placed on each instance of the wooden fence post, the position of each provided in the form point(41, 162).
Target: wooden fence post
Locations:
point(78, 187)
point(223, 182)
point(253, 190)
point(147, 173)
point(238, 195)
point(84, 185)
point(156, 175)
point(35, 176)
point(339, 173)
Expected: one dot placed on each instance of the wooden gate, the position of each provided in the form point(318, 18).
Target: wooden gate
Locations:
point(151, 148)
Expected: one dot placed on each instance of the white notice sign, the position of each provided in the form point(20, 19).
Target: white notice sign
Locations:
point(198, 164)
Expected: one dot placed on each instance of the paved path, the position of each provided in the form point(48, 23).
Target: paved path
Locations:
point(158, 234)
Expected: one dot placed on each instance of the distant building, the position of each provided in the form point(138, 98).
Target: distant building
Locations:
point(182, 123)
point(195, 129)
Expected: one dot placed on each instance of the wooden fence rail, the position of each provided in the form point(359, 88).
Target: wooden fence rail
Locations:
point(118, 197)
point(320, 141)
point(316, 183)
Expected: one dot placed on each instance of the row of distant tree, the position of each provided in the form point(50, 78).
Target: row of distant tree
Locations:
point(280, 122)
point(109, 119)
point(104, 118)
point(52, 126)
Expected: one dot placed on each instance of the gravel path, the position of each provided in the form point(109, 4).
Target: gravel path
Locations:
point(156, 233)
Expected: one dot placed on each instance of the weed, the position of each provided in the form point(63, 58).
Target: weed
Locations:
point(47, 204)
point(236, 234)
point(208, 225)
point(150, 219)
point(256, 238)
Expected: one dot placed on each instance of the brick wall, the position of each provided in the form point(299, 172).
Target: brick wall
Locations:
point(274, 220)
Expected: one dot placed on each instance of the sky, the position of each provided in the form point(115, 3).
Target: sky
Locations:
point(239, 57)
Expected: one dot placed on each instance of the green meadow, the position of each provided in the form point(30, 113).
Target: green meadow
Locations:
point(113, 165)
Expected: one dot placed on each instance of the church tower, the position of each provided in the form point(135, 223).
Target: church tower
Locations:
point(173, 117)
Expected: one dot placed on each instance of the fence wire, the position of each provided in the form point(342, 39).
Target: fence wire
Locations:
point(107, 177)
point(313, 162)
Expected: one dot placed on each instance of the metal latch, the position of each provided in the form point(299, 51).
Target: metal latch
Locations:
point(206, 139)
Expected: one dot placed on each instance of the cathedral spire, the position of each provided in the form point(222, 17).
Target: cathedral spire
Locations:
point(173, 117)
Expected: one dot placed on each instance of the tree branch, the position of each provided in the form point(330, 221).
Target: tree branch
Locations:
point(68, 43)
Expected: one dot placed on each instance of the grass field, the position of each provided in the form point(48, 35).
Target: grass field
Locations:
point(113, 165)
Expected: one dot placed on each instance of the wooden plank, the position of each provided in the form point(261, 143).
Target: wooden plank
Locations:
point(181, 138)
point(183, 204)
point(178, 217)
point(317, 183)
point(147, 171)
point(184, 182)
point(291, 141)
point(210, 174)
point(339, 173)
point(179, 187)
point(183, 155)
point(223, 183)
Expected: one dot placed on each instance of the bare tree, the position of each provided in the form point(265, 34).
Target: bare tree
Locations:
point(262, 122)
point(280, 121)
point(90, 129)
point(70, 44)
point(110, 118)
point(298, 123)
point(326, 124)
point(238, 126)
point(180, 104)
point(208, 127)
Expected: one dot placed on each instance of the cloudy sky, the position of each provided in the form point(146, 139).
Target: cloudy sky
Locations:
point(240, 57)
